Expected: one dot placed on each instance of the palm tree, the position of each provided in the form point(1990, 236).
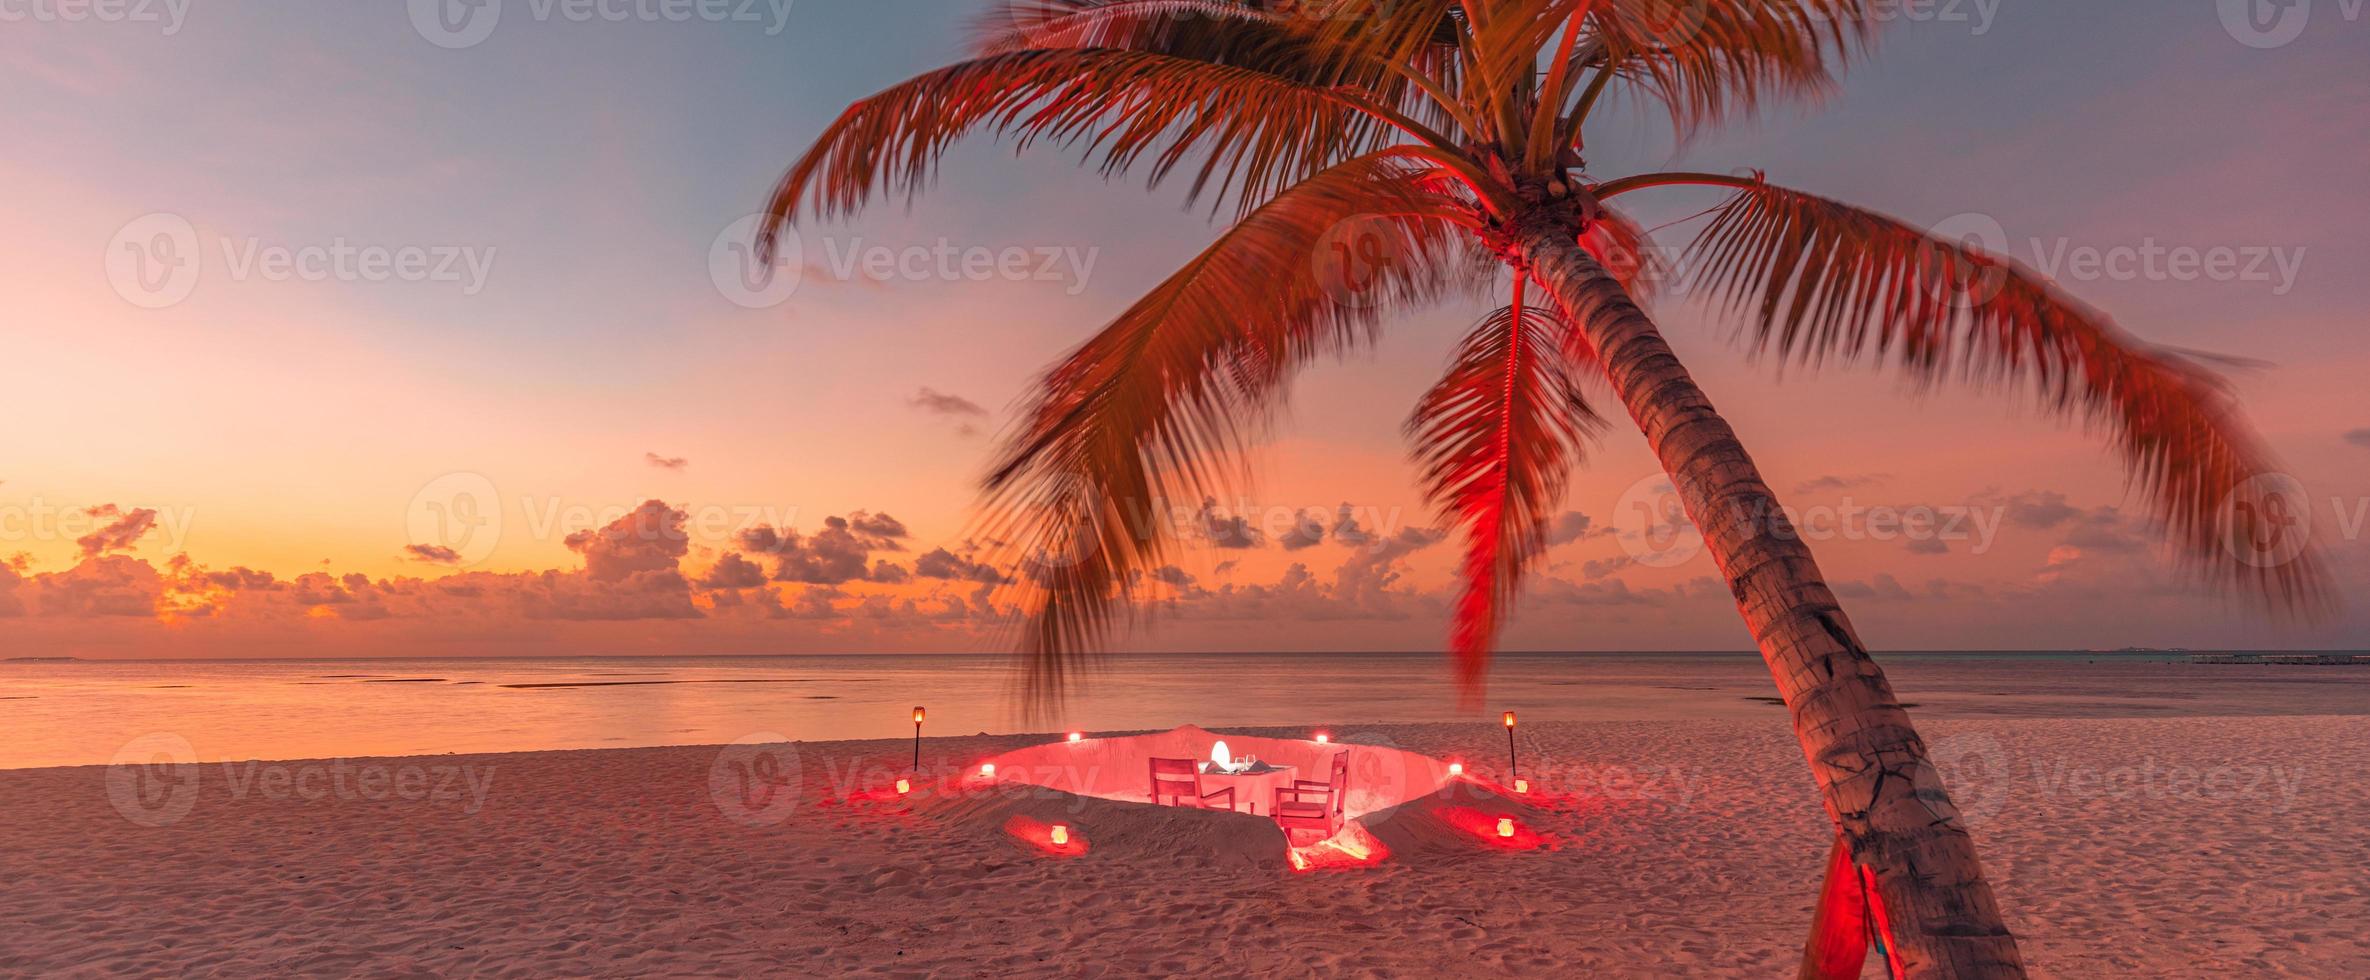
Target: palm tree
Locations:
point(1443, 141)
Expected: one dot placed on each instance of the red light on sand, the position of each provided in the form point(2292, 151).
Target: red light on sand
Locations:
point(1505, 826)
point(1509, 719)
point(1456, 769)
point(1052, 840)
point(904, 786)
point(987, 770)
point(1075, 736)
point(1323, 738)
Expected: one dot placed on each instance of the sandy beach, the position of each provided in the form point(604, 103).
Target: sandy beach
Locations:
point(2125, 846)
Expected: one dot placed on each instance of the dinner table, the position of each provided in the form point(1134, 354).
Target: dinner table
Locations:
point(1252, 786)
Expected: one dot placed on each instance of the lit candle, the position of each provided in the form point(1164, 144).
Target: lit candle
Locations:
point(1323, 738)
point(987, 770)
point(1509, 719)
point(1061, 834)
point(1522, 785)
point(904, 787)
point(1456, 768)
point(1075, 736)
point(1505, 826)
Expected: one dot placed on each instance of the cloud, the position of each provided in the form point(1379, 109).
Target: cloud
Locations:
point(1346, 529)
point(1223, 530)
point(1881, 587)
point(943, 564)
point(734, 572)
point(2042, 509)
point(1600, 567)
point(433, 554)
point(1826, 484)
point(1308, 531)
point(840, 552)
point(2359, 437)
point(1928, 546)
point(665, 462)
point(1572, 525)
point(649, 538)
point(107, 585)
point(122, 533)
point(941, 403)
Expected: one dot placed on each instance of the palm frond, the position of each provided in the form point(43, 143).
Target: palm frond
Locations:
point(1157, 407)
point(1253, 131)
point(1497, 437)
point(1281, 40)
point(1713, 60)
point(1825, 279)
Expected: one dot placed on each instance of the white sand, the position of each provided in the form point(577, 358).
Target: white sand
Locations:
point(2191, 846)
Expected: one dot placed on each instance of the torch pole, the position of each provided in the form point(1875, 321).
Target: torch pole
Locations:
point(1510, 770)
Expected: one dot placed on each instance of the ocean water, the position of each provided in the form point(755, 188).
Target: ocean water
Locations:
point(83, 712)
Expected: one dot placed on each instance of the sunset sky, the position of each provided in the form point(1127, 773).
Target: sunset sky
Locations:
point(245, 470)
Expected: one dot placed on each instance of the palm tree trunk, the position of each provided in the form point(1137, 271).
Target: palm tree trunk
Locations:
point(1885, 797)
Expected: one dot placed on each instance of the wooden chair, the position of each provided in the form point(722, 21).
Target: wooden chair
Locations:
point(1307, 805)
point(1179, 780)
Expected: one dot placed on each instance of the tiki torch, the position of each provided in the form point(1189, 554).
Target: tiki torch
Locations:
point(1510, 767)
point(917, 738)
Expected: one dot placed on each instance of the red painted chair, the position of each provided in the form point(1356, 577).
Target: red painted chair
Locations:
point(1307, 805)
point(1179, 780)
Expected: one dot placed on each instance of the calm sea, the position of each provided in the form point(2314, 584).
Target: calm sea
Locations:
point(82, 712)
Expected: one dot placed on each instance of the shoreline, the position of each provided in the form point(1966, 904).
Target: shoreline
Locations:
point(2118, 845)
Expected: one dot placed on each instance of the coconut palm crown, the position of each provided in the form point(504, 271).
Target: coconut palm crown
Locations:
point(1450, 139)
